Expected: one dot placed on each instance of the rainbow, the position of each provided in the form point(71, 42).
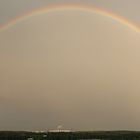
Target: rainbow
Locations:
point(61, 7)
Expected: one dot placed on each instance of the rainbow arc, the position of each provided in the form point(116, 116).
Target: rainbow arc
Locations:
point(61, 7)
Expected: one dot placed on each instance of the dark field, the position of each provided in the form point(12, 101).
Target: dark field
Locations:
point(99, 135)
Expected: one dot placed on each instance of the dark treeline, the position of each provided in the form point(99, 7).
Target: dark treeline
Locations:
point(20, 135)
point(103, 135)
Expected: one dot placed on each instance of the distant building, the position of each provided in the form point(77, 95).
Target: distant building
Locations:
point(59, 129)
point(55, 131)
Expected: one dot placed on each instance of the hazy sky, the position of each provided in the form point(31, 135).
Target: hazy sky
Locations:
point(70, 68)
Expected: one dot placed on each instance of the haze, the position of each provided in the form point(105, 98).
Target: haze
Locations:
point(70, 68)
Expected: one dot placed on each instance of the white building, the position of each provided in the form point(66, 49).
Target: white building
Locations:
point(65, 130)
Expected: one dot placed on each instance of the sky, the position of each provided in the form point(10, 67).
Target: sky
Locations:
point(73, 68)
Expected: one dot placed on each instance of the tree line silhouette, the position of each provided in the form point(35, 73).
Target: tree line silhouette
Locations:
point(101, 135)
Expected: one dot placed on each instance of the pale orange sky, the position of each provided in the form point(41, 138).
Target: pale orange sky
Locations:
point(73, 68)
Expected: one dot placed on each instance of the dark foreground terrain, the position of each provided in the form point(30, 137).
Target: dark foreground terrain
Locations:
point(95, 135)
